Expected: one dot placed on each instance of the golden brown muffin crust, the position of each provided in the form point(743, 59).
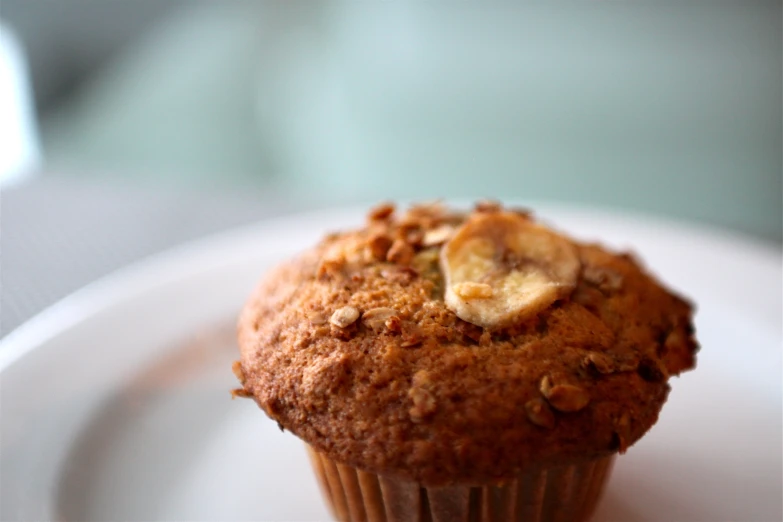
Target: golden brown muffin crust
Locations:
point(351, 347)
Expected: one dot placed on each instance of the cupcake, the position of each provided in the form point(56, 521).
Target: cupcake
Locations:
point(444, 365)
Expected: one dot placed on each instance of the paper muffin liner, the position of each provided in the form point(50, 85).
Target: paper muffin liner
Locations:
point(565, 493)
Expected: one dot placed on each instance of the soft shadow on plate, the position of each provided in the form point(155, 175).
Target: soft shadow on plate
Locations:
point(656, 483)
point(614, 508)
point(194, 381)
point(173, 445)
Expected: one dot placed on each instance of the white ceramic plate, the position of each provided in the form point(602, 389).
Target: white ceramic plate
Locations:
point(115, 402)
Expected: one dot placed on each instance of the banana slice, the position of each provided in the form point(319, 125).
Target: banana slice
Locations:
point(500, 267)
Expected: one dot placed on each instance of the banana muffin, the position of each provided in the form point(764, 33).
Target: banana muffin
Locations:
point(443, 365)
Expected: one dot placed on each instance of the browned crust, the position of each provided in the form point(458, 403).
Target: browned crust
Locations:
point(424, 395)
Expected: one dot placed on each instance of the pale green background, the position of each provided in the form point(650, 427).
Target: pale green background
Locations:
point(672, 108)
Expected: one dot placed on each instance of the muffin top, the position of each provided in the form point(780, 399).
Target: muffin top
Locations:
point(459, 347)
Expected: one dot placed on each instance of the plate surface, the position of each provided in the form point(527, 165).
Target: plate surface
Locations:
point(115, 401)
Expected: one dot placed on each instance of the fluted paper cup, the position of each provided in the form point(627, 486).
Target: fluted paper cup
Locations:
point(557, 494)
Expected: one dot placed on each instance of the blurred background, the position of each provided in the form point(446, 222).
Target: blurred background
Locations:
point(131, 126)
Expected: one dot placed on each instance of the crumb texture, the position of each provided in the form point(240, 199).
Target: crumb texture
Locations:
point(353, 347)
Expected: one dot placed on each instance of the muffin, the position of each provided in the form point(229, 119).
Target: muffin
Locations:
point(444, 365)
